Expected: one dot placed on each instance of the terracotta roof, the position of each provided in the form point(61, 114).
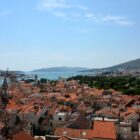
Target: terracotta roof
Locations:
point(73, 96)
point(52, 111)
point(129, 110)
point(114, 112)
point(12, 105)
point(104, 129)
point(101, 129)
point(23, 136)
point(74, 133)
point(96, 92)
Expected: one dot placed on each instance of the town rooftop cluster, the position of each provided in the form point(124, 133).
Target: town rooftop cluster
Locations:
point(66, 110)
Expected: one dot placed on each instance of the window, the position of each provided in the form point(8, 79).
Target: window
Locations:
point(60, 119)
point(51, 125)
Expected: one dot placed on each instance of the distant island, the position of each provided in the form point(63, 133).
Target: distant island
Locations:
point(61, 69)
point(130, 66)
point(133, 65)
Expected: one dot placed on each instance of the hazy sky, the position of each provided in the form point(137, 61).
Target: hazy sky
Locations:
point(88, 33)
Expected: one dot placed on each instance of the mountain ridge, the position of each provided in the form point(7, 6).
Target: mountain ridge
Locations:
point(60, 69)
point(127, 66)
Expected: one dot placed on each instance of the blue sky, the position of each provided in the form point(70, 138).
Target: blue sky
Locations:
point(87, 33)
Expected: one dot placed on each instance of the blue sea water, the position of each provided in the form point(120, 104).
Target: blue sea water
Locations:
point(49, 75)
point(55, 75)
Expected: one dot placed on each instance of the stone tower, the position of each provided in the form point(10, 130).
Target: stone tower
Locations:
point(36, 80)
point(4, 93)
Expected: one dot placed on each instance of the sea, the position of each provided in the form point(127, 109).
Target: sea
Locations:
point(50, 75)
point(55, 75)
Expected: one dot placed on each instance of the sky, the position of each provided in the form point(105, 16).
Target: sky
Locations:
point(84, 33)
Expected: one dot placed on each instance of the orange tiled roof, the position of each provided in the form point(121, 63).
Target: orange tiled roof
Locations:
point(130, 110)
point(96, 92)
point(74, 133)
point(23, 136)
point(104, 129)
point(12, 105)
point(101, 129)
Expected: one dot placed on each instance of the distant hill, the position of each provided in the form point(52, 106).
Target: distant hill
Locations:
point(133, 65)
point(60, 69)
point(18, 72)
point(2, 72)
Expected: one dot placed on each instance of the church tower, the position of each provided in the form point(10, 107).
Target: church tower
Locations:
point(36, 80)
point(4, 93)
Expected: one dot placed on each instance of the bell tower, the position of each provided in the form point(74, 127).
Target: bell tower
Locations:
point(36, 80)
point(4, 93)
